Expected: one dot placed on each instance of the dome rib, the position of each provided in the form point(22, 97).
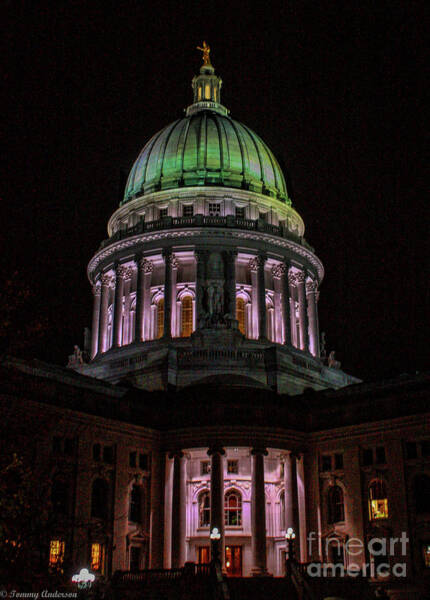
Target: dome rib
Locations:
point(168, 136)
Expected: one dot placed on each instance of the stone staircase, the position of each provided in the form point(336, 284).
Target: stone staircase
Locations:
point(194, 582)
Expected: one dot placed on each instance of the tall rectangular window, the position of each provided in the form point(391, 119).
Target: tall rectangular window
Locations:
point(232, 466)
point(188, 210)
point(56, 553)
point(240, 212)
point(205, 467)
point(380, 455)
point(143, 461)
point(214, 209)
point(326, 463)
point(132, 459)
point(367, 457)
point(163, 213)
point(108, 455)
point(338, 461)
point(97, 557)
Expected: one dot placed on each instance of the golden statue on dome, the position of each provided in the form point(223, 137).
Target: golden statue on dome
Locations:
point(206, 50)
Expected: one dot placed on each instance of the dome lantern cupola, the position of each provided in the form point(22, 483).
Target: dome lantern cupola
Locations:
point(206, 87)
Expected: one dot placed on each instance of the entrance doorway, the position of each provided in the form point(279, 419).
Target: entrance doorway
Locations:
point(204, 555)
point(233, 561)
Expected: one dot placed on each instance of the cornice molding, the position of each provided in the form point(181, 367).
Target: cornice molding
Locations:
point(195, 235)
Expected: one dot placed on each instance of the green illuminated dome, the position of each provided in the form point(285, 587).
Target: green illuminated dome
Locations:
point(206, 147)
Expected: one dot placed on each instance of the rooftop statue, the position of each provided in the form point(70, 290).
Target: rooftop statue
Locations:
point(206, 50)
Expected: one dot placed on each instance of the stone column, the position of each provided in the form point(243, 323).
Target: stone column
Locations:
point(96, 319)
point(201, 258)
point(118, 308)
point(158, 465)
point(253, 325)
point(175, 320)
point(304, 337)
point(127, 334)
point(311, 290)
point(217, 497)
point(292, 498)
point(277, 273)
point(292, 285)
point(262, 318)
point(176, 510)
point(139, 335)
point(258, 513)
point(148, 268)
point(167, 328)
point(230, 283)
point(104, 304)
point(286, 310)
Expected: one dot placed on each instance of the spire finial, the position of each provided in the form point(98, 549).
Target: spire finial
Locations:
point(206, 50)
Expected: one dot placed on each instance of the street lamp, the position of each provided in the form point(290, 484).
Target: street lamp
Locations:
point(215, 537)
point(84, 579)
point(290, 536)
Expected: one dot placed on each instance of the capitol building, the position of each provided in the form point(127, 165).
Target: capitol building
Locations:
point(205, 398)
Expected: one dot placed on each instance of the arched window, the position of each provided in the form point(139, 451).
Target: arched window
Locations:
point(60, 497)
point(204, 509)
point(422, 494)
point(160, 318)
point(100, 499)
point(240, 314)
point(336, 511)
point(282, 510)
point(186, 316)
point(233, 509)
point(135, 512)
point(378, 501)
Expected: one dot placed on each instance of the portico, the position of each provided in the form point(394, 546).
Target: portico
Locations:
point(250, 494)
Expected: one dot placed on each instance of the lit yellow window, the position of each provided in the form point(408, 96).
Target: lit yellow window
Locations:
point(378, 501)
point(207, 91)
point(240, 314)
point(186, 316)
point(215, 95)
point(199, 93)
point(160, 318)
point(56, 553)
point(97, 557)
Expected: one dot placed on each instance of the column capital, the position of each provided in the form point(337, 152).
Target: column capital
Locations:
point(106, 279)
point(259, 450)
point(121, 271)
point(174, 262)
point(175, 454)
point(301, 276)
point(253, 264)
point(279, 270)
point(128, 274)
point(311, 287)
point(97, 288)
point(215, 450)
point(292, 279)
point(146, 265)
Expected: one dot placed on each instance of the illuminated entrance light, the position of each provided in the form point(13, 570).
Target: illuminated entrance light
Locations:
point(84, 579)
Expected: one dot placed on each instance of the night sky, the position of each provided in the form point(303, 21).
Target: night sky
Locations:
point(336, 90)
